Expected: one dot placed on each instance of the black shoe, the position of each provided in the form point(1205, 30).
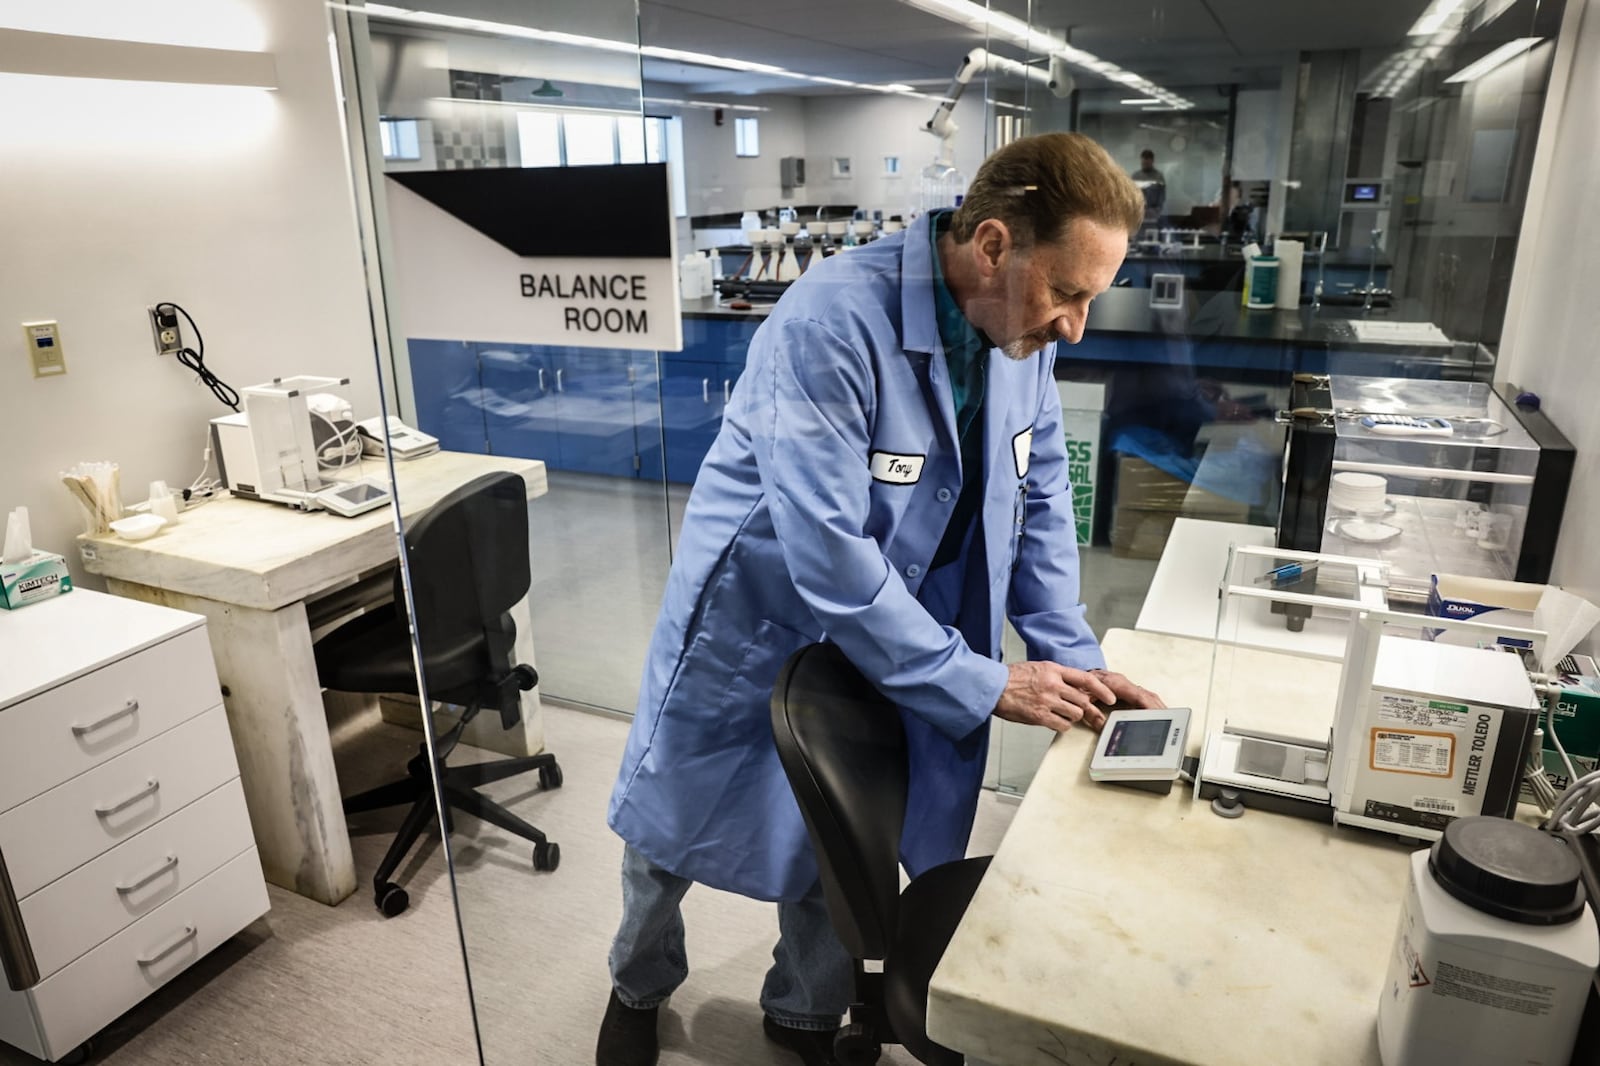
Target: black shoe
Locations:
point(814, 1046)
point(627, 1036)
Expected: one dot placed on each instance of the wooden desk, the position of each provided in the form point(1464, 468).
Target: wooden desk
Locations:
point(1117, 926)
point(264, 576)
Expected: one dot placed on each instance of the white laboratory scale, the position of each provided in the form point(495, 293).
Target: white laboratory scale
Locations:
point(291, 444)
point(1415, 732)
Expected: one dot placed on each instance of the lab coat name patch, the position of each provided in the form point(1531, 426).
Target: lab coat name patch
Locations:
point(897, 469)
point(1021, 449)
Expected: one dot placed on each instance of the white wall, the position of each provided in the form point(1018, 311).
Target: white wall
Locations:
point(240, 211)
point(717, 179)
point(1552, 325)
point(867, 128)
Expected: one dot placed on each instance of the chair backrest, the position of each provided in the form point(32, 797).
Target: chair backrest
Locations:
point(843, 747)
point(468, 561)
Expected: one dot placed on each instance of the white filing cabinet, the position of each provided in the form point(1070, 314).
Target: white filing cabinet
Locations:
point(125, 847)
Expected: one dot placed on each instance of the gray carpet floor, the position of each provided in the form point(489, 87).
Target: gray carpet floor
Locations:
point(340, 986)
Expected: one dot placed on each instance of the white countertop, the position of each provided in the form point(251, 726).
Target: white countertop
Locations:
point(1121, 927)
point(265, 555)
point(51, 642)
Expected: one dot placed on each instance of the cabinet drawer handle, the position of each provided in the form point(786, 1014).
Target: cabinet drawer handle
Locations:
point(727, 388)
point(559, 371)
point(131, 707)
point(705, 390)
point(541, 379)
point(169, 947)
point(112, 808)
point(169, 863)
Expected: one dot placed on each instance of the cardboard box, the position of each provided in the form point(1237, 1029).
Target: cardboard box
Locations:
point(1485, 600)
point(1149, 500)
point(39, 576)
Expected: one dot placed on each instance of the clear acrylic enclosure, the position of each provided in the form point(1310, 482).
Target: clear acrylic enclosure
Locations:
point(1427, 503)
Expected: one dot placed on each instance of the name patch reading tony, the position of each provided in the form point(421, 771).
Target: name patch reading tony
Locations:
point(897, 469)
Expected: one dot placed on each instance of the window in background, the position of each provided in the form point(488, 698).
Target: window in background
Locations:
point(539, 138)
point(1007, 128)
point(891, 165)
point(399, 138)
point(591, 140)
point(633, 140)
point(746, 137)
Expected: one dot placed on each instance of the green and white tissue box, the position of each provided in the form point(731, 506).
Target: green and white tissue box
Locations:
point(36, 577)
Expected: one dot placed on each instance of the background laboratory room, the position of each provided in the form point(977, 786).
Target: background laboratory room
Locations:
point(799, 533)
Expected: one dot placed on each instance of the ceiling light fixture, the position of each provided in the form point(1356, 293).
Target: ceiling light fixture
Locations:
point(1009, 28)
point(1475, 70)
point(675, 55)
point(1139, 100)
point(64, 55)
point(1433, 19)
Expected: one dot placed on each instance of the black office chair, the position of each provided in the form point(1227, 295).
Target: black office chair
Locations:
point(468, 561)
point(843, 748)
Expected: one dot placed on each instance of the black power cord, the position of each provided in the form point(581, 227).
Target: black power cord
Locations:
point(195, 359)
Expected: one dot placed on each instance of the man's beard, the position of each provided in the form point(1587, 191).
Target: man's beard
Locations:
point(1025, 346)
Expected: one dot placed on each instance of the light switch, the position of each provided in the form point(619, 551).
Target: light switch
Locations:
point(44, 347)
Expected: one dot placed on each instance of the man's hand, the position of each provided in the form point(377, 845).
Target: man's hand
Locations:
point(1054, 696)
point(1128, 694)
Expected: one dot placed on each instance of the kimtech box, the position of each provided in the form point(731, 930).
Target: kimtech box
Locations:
point(1577, 722)
point(35, 577)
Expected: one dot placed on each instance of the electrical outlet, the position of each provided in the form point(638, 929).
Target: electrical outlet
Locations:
point(164, 328)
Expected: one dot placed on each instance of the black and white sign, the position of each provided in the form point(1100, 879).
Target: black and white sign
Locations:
point(571, 256)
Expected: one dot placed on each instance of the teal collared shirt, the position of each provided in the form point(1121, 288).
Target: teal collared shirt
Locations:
point(966, 353)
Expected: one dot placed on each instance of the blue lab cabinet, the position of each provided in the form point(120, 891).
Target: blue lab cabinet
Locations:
point(617, 412)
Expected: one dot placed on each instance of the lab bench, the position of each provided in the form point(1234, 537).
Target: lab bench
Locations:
point(1176, 380)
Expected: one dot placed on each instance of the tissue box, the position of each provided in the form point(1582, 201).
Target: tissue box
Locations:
point(1482, 599)
point(37, 577)
point(1577, 721)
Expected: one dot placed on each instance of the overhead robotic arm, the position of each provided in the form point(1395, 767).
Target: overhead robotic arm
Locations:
point(942, 125)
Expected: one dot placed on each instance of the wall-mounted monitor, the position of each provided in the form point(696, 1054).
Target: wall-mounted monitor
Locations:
point(1364, 193)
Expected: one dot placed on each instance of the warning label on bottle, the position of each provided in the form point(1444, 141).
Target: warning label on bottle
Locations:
point(1420, 712)
point(1492, 990)
point(1413, 752)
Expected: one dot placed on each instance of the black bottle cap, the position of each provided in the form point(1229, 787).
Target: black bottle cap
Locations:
point(1508, 870)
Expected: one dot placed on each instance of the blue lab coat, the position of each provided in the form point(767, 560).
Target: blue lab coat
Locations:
point(816, 514)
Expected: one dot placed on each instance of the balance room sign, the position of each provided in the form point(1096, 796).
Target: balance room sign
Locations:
point(570, 256)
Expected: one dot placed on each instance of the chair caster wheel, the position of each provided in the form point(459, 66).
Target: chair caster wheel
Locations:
point(391, 899)
point(78, 1055)
point(550, 777)
point(546, 856)
point(854, 1045)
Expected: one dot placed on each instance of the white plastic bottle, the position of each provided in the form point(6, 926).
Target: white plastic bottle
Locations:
point(789, 265)
point(1495, 952)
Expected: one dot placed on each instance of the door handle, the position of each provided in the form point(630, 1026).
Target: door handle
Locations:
point(559, 372)
point(541, 379)
point(169, 947)
point(112, 808)
point(705, 390)
point(169, 863)
point(727, 389)
point(100, 723)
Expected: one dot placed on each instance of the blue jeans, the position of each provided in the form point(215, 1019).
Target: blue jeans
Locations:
point(812, 978)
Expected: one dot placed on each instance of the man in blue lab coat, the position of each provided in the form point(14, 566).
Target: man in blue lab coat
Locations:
point(890, 474)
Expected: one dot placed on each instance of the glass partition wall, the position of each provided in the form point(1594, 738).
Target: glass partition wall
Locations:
point(1389, 156)
point(1381, 160)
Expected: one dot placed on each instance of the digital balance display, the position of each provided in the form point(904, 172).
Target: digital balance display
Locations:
point(1148, 737)
point(1142, 748)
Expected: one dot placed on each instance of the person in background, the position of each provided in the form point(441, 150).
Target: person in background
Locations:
point(891, 475)
point(1153, 184)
